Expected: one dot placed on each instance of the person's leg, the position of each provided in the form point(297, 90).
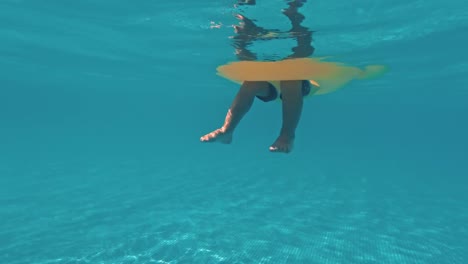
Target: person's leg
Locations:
point(240, 106)
point(292, 99)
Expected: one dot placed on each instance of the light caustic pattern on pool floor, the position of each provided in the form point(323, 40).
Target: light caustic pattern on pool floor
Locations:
point(142, 213)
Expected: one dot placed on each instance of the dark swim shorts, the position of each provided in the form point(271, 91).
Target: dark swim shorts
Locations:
point(273, 93)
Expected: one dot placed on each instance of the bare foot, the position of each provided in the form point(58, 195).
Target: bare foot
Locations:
point(219, 135)
point(282, 144)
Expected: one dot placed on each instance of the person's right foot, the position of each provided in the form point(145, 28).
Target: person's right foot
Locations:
point(219, 135)
point(283, 144)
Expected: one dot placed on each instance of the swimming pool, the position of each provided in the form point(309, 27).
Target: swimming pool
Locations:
point(102, 105)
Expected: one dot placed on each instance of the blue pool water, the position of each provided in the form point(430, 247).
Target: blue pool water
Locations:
point(102, 104)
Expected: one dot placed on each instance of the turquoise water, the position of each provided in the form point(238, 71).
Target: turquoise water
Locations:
point(102, 104)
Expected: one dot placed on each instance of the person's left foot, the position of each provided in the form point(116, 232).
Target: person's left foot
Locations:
point(282, 144)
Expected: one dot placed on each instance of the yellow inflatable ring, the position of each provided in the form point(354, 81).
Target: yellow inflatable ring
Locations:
point(326, 76)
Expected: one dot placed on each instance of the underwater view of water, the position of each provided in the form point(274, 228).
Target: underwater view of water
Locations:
point(103, 103)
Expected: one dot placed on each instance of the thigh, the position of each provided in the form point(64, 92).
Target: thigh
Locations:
point(263, 90)
point(294, 87)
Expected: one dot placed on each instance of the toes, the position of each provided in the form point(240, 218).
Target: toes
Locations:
point(280, 148)
point(216, 136)
point(207, 138)
point(276, 148)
